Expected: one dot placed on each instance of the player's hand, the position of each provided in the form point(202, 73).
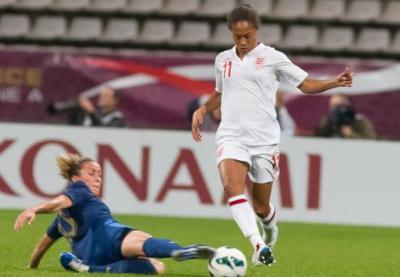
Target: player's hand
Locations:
point(26, 216)
point(197, 120)
point(345, 79)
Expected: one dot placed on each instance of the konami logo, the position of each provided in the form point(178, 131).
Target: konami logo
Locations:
point(138, 183)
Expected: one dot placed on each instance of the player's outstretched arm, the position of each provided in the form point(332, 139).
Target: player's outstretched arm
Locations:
point(311, 86)
point(41, 248)
point(214, 102)
point(29, 214)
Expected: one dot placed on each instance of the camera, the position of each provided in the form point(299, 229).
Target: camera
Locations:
point(343, 115)
point(66, 106)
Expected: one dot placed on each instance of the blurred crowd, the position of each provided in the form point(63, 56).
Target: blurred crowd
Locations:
point(341, 121)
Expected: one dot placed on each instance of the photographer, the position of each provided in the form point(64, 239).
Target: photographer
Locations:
point(83, 112)
point(344, 122)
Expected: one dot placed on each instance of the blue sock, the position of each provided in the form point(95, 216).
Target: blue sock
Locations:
point(136, 266)
point(159, 248)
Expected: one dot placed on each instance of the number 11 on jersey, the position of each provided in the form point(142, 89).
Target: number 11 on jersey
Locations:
point(227, 69)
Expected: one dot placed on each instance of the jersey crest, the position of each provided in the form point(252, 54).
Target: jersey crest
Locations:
point(260, 62)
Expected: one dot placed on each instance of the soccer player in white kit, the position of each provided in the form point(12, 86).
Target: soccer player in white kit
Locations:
point(247, 79)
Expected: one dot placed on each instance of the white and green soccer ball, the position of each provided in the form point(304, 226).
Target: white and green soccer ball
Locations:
point(227, 262)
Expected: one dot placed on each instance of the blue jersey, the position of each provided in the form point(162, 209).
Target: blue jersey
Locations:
point(88, 224)
point(86, 210)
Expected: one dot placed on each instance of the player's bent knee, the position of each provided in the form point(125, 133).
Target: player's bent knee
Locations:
point(159, 266)
point(233, 190)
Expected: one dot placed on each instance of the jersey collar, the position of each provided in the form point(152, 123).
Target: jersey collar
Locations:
point(253, 52)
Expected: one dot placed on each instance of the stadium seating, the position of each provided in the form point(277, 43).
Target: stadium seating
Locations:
point(333, 25)
point(395, 46)
point(14, 25)
point(391, 13)
point(188, 28)
point(68, 5)
point(157, 31)
point(107, 5)
point(263, 7)
point(7, 3)
point(364, 10)
point(144, 6)
point(118, 30)
point(336, 38)
point(221, 37)
point(328, 9)
point(270, 33)
point(216, 7)
point(373, 40)
point(36, 4)
point(84, 28)
point(181, 7)
point(289, 9)
point(49, 27)
point(301, 37)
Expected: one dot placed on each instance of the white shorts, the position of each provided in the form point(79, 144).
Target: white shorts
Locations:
point(263, 160)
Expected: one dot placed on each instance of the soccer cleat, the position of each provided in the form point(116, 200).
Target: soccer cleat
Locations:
point(72, 263)
point(193, 252)
point(263, 256)
point(269, 235)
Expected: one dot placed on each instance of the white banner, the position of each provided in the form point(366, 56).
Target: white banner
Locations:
point(166, 173)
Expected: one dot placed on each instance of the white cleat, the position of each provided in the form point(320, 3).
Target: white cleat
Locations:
point(254, 260)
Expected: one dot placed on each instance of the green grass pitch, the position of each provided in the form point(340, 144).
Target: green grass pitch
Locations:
point(302, 250)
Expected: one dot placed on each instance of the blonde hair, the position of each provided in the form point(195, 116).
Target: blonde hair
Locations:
point(70, 165)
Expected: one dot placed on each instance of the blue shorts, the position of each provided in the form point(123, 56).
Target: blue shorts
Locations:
point(102, 243)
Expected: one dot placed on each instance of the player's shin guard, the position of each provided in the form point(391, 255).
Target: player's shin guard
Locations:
point(159, 248)
point(244, 216)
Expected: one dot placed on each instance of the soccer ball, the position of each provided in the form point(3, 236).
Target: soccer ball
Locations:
point(227, 262)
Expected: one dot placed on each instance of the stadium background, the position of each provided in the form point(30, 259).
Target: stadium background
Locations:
point(159, 55)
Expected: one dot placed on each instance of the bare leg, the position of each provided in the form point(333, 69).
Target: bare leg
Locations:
point(132, 244)
point(261, 195)
point(233, 176)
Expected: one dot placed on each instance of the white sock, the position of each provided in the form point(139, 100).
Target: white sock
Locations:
point(270, 219)
point(245, 218)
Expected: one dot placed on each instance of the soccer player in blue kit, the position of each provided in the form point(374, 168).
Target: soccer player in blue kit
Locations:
point(99, 243)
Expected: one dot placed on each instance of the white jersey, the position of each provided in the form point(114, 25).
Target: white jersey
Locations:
point(248, 88)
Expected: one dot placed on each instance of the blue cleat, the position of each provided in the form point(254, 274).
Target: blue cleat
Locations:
point(193, 252)
point(72, 263)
